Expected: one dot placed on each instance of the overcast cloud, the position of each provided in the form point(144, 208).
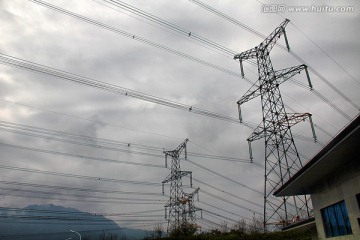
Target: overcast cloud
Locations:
point(38, 34)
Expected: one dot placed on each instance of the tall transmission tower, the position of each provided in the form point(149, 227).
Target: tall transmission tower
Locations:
point(181, 205)
point(281, 155)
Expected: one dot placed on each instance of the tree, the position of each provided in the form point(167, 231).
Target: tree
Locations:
point(224, 228)
point(240, 226)
point(158, 230)
point(185, 229)
point(108, 236)
point(256, 226)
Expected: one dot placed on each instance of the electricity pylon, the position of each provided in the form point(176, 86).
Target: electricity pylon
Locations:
point(281, 156)
point(176, 204)
point(188, 200)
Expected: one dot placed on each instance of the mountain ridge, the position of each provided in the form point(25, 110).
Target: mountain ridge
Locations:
point(55, 222)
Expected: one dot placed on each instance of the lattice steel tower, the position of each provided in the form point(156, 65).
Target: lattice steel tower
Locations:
point(188, 200)
point(281, 156)
point(181, 205)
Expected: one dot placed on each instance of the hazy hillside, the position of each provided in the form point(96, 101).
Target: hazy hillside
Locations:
point(55, 222)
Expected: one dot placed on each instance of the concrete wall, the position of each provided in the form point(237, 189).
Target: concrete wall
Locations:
point(342, 185)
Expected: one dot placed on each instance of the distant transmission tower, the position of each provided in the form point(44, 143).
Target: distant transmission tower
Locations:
point(281, 156)
point(188, 200)
point(181, 205)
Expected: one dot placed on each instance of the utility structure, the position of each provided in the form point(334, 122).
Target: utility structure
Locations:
point(281, 155)
point(188, 200)
point(181, 207)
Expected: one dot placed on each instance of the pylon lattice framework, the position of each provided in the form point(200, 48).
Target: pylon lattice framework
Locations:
point(281, 156)
point(181, 205)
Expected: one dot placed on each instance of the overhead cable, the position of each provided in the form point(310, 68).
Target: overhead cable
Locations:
point(31, 66)
point(262, 36)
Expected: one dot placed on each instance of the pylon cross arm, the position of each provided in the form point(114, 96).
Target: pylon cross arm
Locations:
point(173, 154)
point(184, 173)
point(271, 40)
point(249, 54)
point(194, 192)
point(289, 120)
point(167, 204)
point(267, 44)
point(195, 209)
point(177, 151)
point(294, 118)
point(175, 176)
point(181, 147)
point(257, 134)
point(287, 73)
point(191, 195)
point(252, 93)
point(167, 179)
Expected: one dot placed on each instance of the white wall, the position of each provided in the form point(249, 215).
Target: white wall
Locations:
point(342, 185)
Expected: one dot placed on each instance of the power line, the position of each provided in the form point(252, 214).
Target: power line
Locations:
point(127, 182)
point(51, 132)
point(211, 222)
point(221, 209)
point(76, 213)
point(85, 119)
point(229, 179)
point(210, 43)
point(88, 20)
point(253, 31)
point(31, 66)
point(316, 126)
point(80, 217)
point(78, 189)
point(134, 37)
point(7, 167)
point(93, 145)
point(327, 82)
point(164, 23)
point(90, 219)
point(188, 33)
point(218, 215)
point(227, 201)
point(68, 175)
point(331, 58)
point(318, 46)
point(322, 97)
point(168, 24)
point(78, 156)
point(314, 91)
point(52, 197)
point(100, 143)
point(37, 235)
point(228, 193)
point(75, 217)
point(228, 18)
point(95, 178)
point(134, 200)
point(224, 177)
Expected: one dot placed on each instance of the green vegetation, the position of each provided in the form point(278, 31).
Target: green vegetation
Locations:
point(186, 229)
point(217, 235)
point(241, 230)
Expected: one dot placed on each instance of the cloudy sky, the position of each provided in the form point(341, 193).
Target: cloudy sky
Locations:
point(42, 116)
